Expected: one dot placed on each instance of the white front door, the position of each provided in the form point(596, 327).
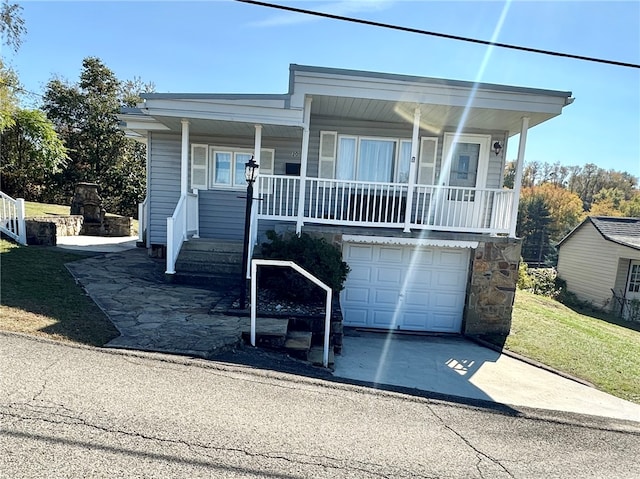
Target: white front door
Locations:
point(632, 311)
point(405, 287)
point(464, 169)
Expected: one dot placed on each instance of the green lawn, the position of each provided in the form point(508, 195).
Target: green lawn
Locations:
point(39, 296)
point(42, 209)
point(600, 349)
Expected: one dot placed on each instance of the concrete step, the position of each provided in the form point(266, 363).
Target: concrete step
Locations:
point(316, 353)
point(298, 340)
point(196, 255)
point(219, 281)
point(270, 332)
point(230, 269)
point(213, 245)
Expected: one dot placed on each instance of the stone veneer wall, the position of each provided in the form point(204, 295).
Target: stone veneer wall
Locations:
point(492, 287)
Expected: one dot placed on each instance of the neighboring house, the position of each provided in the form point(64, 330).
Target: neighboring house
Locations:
point(602, 255)
point(403, 173)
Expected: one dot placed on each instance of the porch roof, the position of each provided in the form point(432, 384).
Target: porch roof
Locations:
point(370, 96)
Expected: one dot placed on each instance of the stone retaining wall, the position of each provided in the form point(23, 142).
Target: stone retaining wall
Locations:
point(66, 225)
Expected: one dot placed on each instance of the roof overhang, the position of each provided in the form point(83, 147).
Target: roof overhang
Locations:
point(444, 105)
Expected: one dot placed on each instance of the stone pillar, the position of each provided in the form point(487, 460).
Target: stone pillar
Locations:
point(494, 276)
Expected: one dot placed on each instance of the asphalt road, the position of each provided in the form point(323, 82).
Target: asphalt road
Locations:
point(69, 411)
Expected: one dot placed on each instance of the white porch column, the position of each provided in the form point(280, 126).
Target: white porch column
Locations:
point(303, 164)
point(412, 169)
point(517, 182)
point(184, 158)
point(184, 176)
point(257, 145)
point(253, 223)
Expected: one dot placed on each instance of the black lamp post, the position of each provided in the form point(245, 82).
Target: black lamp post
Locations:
point(250, 174)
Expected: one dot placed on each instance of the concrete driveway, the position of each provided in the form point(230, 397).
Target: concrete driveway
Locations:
point(457, 366)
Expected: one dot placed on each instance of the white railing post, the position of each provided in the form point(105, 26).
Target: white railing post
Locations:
point(22, 233)
point(412, 169)
point(171, 266)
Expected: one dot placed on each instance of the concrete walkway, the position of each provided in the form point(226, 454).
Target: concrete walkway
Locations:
point(153, 315)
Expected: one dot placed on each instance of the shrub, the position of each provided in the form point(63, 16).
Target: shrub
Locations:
point(524, 279)
point(315, 255)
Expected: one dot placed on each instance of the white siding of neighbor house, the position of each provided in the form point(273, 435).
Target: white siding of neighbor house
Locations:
point(592, 265)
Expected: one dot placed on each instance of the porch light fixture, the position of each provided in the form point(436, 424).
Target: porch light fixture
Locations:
point(250, 174)
point(251, 171)
point(497, 148)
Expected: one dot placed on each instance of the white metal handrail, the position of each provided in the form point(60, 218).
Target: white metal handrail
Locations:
point(12, 221)
point(290, 264)
point(180, 225)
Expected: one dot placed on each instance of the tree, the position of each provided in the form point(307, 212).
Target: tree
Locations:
point(30, 154)
point(9, 85)
point(564, 207)
point(84, 115)
point(533, 226)
point(11, 24)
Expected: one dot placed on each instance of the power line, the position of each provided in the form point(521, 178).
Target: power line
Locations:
point(441, 35)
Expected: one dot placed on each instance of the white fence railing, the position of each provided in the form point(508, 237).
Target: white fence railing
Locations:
point(290, 264)
point(143, 221)
point(183, 223)
point(12, 221)
point(358, 203)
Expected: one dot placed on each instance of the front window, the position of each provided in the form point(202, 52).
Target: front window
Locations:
point(373, 159)
point(228, 168)
point(634, 279)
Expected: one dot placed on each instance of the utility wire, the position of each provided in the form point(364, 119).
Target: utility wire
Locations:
point(441, 35)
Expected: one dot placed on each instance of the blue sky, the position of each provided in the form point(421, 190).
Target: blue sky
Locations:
point(230, 47)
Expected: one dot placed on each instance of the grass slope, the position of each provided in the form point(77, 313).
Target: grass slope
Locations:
point(39, 296)
point(602, 350)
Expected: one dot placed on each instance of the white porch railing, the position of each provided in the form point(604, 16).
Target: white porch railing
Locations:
point(180, 226)
point(12, 218)
point(143, 220)
point(290, 264)
point(358, 203)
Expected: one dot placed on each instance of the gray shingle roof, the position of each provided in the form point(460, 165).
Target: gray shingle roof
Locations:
point(625, 231)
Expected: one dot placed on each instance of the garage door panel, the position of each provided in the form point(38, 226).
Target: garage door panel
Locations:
point(414, 321)
point(359, 253)
point(387, 254)
point(389, 275)
point(416, 299)
point(449, 279)
point(383, 318)
point(453, 258)
point(361, 273)
point(385, 297)
point(357, 295)
point(448, 300)
point(445, 323)
point(358, 317)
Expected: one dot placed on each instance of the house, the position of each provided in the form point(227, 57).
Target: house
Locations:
point(403, 173)
point(599, 257)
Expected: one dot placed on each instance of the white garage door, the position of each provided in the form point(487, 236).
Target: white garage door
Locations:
point(405, 287)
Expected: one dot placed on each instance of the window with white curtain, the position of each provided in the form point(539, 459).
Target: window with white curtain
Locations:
point(373, 159)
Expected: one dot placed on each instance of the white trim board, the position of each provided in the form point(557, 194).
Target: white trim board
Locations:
point(409, 241)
